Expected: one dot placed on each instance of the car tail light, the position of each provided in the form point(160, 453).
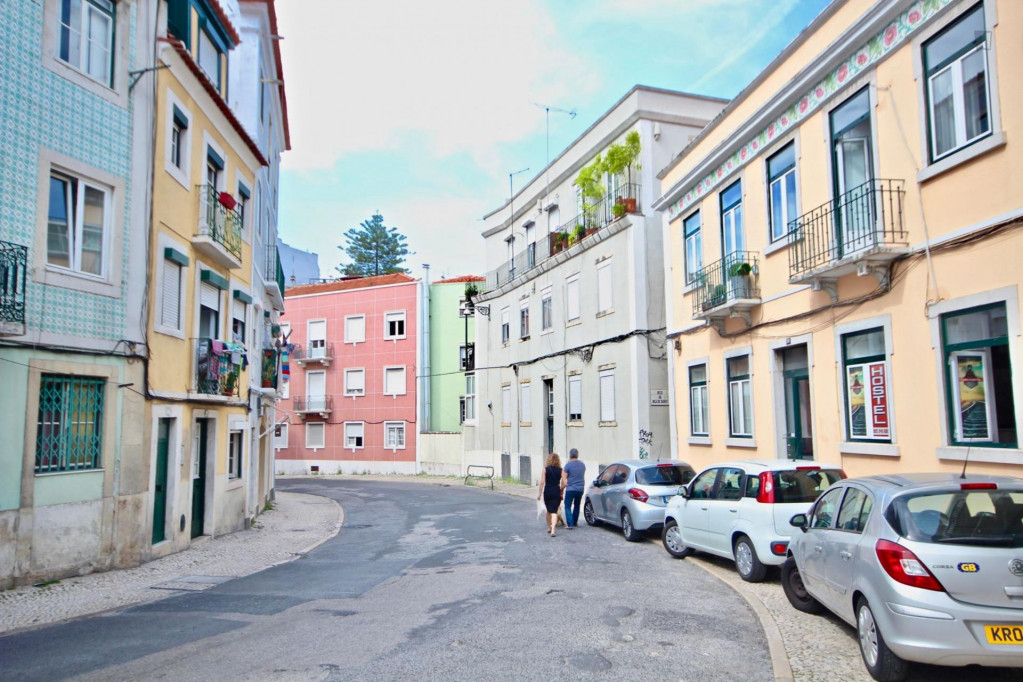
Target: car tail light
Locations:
point(779, 548)
point(978, 486)
point(842, 471)
point(661, 466)
point(637, 494)
point(808, 468)
point(766, 494)
point(904, 567)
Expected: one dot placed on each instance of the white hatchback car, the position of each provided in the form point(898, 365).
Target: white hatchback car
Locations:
point(741, 510)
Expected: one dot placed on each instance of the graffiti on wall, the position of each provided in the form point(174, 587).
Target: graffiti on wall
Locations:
point(646, 441)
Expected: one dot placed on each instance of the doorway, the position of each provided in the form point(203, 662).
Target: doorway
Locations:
point(160, 482)
point(199, 476)
point(798, 410)
point(853, 175)
point(548, 392)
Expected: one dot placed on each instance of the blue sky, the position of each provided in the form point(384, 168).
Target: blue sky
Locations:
point(419, 111)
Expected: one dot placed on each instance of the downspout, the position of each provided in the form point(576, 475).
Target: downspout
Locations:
point(424, 322)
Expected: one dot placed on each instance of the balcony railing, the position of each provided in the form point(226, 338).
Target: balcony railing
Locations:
point(731, 280)
point(321, 404)
point(593, 217)
point(273, 276)
point(303, 355)
point(220, 224)
point(866, 218)
point(13, 266)
point(268, 369)
point(218, 367)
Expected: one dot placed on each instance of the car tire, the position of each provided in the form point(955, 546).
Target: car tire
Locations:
point(795, 591)
point(881, 663)
point(628, 530)
point(589, 515)
point(750, 568)
point(672, 540)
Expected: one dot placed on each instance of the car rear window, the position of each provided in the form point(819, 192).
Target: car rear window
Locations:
point(665, 475)
point(960, 517)
point(803, 485)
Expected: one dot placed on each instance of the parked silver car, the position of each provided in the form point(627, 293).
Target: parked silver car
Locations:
point(632, 494)
point(927, 567)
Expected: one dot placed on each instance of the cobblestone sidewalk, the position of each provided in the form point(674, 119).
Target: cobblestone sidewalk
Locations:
point(296, 524)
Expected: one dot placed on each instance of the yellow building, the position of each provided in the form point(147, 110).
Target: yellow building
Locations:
point(204, 338)
point(844, 248)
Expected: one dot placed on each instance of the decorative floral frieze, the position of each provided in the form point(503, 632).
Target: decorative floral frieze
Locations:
point(869, 54)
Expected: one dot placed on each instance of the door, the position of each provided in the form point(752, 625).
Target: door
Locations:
point(798, 417)
point(548, 390)
point(599, 488)
point(614, 494)
point(723, 510)
point(696, 515)
point(815, 558)
point(853, 175)
point(199, 477)
point(842, 546)
point(316, 388)
point(160, 484)
point(317, 338)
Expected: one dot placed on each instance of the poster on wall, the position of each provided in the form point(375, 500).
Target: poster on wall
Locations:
point(867, 401)
point(973, 403)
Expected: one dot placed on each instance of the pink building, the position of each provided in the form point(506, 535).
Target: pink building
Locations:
point(351, 396)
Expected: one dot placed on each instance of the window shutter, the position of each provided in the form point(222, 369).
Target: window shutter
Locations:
point(317, 330)
point(605, 300)
point(170, 314)
point(575, 395)
point(607, 396)
point(209, 296)
point(395, 381)
point(572, 299)
point(506, 404)
point(356, 381)
point(355, 329)
point(525, 413)
point(238, 309)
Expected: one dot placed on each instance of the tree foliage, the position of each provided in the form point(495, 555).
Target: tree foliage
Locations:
point(374, 249)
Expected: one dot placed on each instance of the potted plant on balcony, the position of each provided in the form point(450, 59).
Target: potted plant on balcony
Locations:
point(739, 280)
point(590, 183)
point(618, 209)
point(227, 201)
point(577, 234)
point(471, 290)
point(620, 158)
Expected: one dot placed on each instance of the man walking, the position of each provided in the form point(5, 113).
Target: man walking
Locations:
point(573, 481)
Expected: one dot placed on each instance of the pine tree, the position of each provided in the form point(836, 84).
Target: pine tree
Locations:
point(374, 248)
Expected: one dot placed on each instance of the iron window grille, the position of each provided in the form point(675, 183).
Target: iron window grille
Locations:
point(69, 434)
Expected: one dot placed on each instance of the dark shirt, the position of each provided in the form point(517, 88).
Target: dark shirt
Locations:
point(552, 481)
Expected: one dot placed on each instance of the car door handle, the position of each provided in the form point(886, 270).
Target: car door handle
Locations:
point(733, 510)
point(818, 549)
point(845, 555)
point(703, 509)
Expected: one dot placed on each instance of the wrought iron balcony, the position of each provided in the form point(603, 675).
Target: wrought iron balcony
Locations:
point(218, 367)
point(727, 288)
point(219, 234)
point(13, 266)
point(273, 277)
point(859, 231)
point(268, 373)
point(321, 354)
point(322, 405)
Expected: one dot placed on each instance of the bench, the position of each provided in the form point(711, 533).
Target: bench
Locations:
point(479, 471)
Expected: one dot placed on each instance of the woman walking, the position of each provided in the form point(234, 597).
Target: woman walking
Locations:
point(550, 490)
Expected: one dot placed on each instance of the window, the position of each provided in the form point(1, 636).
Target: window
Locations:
point(524, 321)
point(315, 434)
point(607, 395)
point(733, 238)
point(317, 331)
point(506, 415)
point(209, 57)
point(463, 357)
point(823, 513)
point(978, 376)
point(852, 515)
point(394, 325)
point(463, 307)
point(575, 398)
point(781, 178)
point(470, 397)
point(69, 432)
point(694, 247)
point(234, 454)
point(238, 317)
point(698, 405)
point(525, 410)
point(865, 373)
point(702, 487)
point(394, 435)
point(77, 225)
point(179, 139)
point(280, 436)
point(355, 382)
point(87, 37)
point(572, 298)
point(740, 399)
point(243, 207)
point(546, 310)
point(605, 287)
point(394, 381)
point(209, 311)
point(354, 434)
point(505, 325)
point(853, 169)
point(214, 170)
point(355, 328)
point(955, 62)
point(171, 289)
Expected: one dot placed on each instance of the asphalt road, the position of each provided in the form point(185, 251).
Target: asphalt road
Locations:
point(424, 582)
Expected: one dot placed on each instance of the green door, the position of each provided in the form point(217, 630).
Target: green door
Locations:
point(160, 490)
point(199, 478)
point(798, 414)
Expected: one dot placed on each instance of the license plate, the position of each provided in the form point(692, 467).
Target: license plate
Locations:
point(1004, 634)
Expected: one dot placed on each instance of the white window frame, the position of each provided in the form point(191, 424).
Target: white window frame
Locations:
point(505, 326)
point(404, 379)
point(352, 338)
point(746, 409)
point(547, 310)
point(165, 242)
point(312, 428)
point(395, 316)
point(572, 298)
point(788, 175)
point(361, 435)
point(506, 402)
point(525, 407)
point(605, 287)
point(182, 173)
point(861, 447)
point(608, 410)
point(308, 396)
point(399, 427)
point(114, 88)
point(575, 395)
point(105, 9)
point(699, 393)
point(75, 229)
point(348, 390)
point(235, 458)
point(692, 248)
point(524, 320)
point(470, 398)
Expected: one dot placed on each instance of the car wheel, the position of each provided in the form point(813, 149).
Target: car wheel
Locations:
point(591, 518)
point(792, 584)
point(628, 530)
point(882, 664)
point(750, 568)
point(672, 539)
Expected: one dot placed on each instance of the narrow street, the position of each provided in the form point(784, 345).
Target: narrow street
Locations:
point(424, 582)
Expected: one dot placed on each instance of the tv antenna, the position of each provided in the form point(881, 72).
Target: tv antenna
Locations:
point(571, 113)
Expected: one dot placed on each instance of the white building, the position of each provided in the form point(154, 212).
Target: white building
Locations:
point(573, 353)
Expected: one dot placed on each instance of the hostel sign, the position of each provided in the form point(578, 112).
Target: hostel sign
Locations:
point(867, 401)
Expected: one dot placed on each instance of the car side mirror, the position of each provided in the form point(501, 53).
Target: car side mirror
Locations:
point(799, 521)
point(597, 483)
point(683, 490)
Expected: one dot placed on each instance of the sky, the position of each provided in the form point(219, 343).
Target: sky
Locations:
point(420, 110)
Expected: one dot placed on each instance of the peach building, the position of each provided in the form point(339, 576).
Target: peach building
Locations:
point(351, 395)
point(844, 248)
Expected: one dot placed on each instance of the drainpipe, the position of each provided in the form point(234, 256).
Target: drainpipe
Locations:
point(424, 325)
